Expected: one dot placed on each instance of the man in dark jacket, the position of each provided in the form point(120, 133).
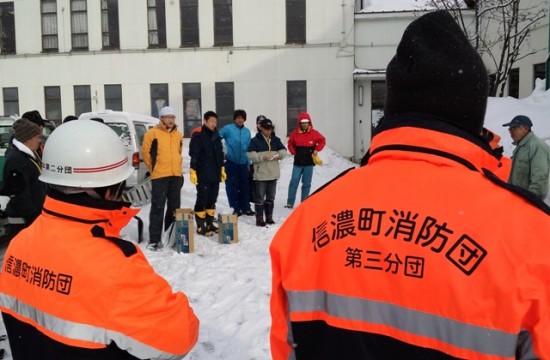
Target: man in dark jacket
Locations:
point(21, 171)
point(206, 152)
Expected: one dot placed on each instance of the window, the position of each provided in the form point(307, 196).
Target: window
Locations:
point(378, 96)
point(513, 83)
point(225, 103)
point(295, 21)
point(52, 96)
point(159, 98)
point(192, 115)
point(82, 99)
point(7, 28)
point(109, 24)
point(79, 25)
point(189, 17)
point(49, 25)
point(11, 101)
point(296, 102)
point(539, 72)
point(113, 97)
point(157, 23)
point(223, 23)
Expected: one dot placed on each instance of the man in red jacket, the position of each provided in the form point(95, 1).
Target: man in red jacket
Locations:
point(407, 257)
point(304, 143)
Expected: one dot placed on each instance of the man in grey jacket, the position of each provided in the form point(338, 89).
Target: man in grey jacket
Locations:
point(531, 158)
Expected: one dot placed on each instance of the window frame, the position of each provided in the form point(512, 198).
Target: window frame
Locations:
point(113, 102)
point(223, 23)
point(513, 83)
point(158, 91)
point(82, 101)
point(9, 100)
point(54, 35)
point(7, 24)
point(296, 102)
point(225, 102)
point(189, 30)
point(110, 33)
point(156, 9)
point(192, 106)
point(296, 21)
point(52, 102)
point(537, 71)
point(79, 31)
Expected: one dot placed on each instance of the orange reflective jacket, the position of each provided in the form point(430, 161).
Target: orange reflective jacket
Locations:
point(71, 278)
point(422, 253)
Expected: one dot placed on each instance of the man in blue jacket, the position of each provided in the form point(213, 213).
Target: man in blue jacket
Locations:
point(237, 137)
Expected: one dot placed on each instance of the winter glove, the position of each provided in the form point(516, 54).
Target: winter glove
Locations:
point(224, 175)
point(316, 159)
point(193, 176)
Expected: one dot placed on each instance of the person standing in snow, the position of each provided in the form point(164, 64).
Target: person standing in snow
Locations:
point(206, 152)
point(70, 287)
point(403, 257)
point(237, 137)
point(162, 154)
point(265, 151)
point(531, 158)
point(304, 143)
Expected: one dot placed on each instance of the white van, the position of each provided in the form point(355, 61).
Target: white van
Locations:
point(130, 127)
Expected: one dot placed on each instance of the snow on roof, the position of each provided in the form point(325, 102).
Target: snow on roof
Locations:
point(393, 5)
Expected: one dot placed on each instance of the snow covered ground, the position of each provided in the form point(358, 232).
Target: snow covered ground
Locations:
point(229, 285)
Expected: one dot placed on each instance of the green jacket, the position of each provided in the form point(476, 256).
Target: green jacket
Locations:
point(531, 165)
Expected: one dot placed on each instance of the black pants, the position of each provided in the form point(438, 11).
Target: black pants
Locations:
point(166, 190)
point(207, 195)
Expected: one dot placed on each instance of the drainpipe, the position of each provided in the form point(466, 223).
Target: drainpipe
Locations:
point(548, 50)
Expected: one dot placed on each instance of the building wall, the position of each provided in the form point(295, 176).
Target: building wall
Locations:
point(259, 64)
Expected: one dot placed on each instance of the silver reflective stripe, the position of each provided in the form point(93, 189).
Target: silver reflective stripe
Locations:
point(78, 331)
point(462, 335)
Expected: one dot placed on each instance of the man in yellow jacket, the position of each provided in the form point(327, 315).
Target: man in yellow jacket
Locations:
point(162, 154)
point(70, 288)
point(423, 252)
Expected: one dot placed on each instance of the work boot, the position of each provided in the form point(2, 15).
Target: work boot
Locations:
point(259, 214)
point(210, 220)
point(202, 227)
point(268, 207)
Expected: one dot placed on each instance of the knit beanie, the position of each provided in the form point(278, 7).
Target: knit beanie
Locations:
point(24, 130)
point(436, 71)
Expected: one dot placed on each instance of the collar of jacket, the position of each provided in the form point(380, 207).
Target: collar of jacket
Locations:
point(525, 139)
point(112, 216)
point(435, 139)
point(162, 126)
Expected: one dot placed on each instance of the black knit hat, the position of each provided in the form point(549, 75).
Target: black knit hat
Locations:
point(436, 71)
point(24, 130)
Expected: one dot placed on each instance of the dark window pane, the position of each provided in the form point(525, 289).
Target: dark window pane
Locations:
point(11, 101)
point(7, 28)
point(109, 24)
point(49, 25)
point(225, 103)
point(296, 100)
point(513, 83)
point(189, 18)
point(295, 21)
point(79, 25)
point(82, 99)
point(223, 23)
point(113, 97)
point(378, 94)
point(159, 98)
point(52, 96)
point(192, 115)
point(156, 23)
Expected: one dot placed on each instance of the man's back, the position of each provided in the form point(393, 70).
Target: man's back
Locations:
point(416, 261)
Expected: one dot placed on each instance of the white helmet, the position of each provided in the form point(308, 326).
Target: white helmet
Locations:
point(84, 154)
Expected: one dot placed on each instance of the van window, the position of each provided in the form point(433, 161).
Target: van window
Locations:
point(122, 131)
point(141, 129)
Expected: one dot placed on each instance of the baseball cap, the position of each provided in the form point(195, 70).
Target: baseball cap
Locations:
point(266, 124)
point(520, 120)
